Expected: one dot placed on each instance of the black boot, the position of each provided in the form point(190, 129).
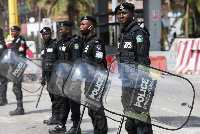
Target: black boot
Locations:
point(46, 121)
point(3, 102)
point(100, 125)
point(59, 129)
point(18, 111)
point(54, 120)
point(74, 128)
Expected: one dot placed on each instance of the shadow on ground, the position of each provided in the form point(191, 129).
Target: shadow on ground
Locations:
point(38, 111)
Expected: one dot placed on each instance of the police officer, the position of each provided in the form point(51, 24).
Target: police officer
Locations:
point(94, 49)
point(49, 56)
point(69, 49)
point(18, 45)
point(3, 80)
point(133, 43)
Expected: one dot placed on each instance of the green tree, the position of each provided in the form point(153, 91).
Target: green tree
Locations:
point(74, 8)
point(191, 10)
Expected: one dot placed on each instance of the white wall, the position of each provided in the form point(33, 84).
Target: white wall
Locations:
point(33, 27)
point(177, 25)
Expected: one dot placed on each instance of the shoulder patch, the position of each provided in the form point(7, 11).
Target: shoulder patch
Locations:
point(21, 49)
point(22, 41)
point(139, 38)
point(1, 46)
point(60, 48)
point(99, 54)
point(76, 46)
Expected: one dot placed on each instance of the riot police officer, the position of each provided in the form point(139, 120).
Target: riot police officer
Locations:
point(133, 43)
point(94, 49)
point(18, 45)
point(3, 80)
point(49, 56)
point(69, 48)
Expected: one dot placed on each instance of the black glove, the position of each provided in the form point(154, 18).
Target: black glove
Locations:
point(43, 81)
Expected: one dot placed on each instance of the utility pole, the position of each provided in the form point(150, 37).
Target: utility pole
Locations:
point(152, 20)
point(13, 16)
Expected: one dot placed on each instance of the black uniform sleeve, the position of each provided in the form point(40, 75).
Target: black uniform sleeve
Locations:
point(98, 53)
point(42, 55)
point(75, 51)
point(143, 45)
point(58, 49)
point(43, 74)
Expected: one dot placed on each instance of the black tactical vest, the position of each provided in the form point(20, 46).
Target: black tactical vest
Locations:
point(64, 47)
point(49, 55)
point(127, 45)
point(91, 44)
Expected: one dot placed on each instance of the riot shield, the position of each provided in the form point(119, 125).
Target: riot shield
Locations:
point(148, 94)
point(59, 76)
point(85, 83)
point(20, 69)
point(32, 76)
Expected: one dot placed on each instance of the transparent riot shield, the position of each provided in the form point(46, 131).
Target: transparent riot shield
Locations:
point(59, 76)
point(32, 76)
point(149, 95)
point(86, 83)
point(19, 69)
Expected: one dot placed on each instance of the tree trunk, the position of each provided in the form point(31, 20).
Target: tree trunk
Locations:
point(186, 21)
point(38, 33)
point(1, 17)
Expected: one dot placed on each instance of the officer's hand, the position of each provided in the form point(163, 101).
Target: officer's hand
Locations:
point(43, 81)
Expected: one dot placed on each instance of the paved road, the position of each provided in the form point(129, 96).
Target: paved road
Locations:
point(31, 122)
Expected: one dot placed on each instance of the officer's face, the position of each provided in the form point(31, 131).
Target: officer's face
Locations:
point(14, 33)
point(85, 24)
point(124, 17)
point(63, 31)
point(46, 36)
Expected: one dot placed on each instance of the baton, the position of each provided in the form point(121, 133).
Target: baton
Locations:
point(40, 96)
point(121, 123)
point(4, 84)
point(79, 123)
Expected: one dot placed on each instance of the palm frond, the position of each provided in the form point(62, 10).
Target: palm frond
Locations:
point(41, 3)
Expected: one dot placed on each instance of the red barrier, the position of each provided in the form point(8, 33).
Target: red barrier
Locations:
point(188, 57)
point(109, 59)
point(159, 62)
point(114, 67)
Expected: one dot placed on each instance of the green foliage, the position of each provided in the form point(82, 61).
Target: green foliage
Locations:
point(74, 8)
point(193, 13)
point(3, 3)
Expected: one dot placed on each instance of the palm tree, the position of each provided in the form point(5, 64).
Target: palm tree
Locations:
point(74, 8)
point(191, 9)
